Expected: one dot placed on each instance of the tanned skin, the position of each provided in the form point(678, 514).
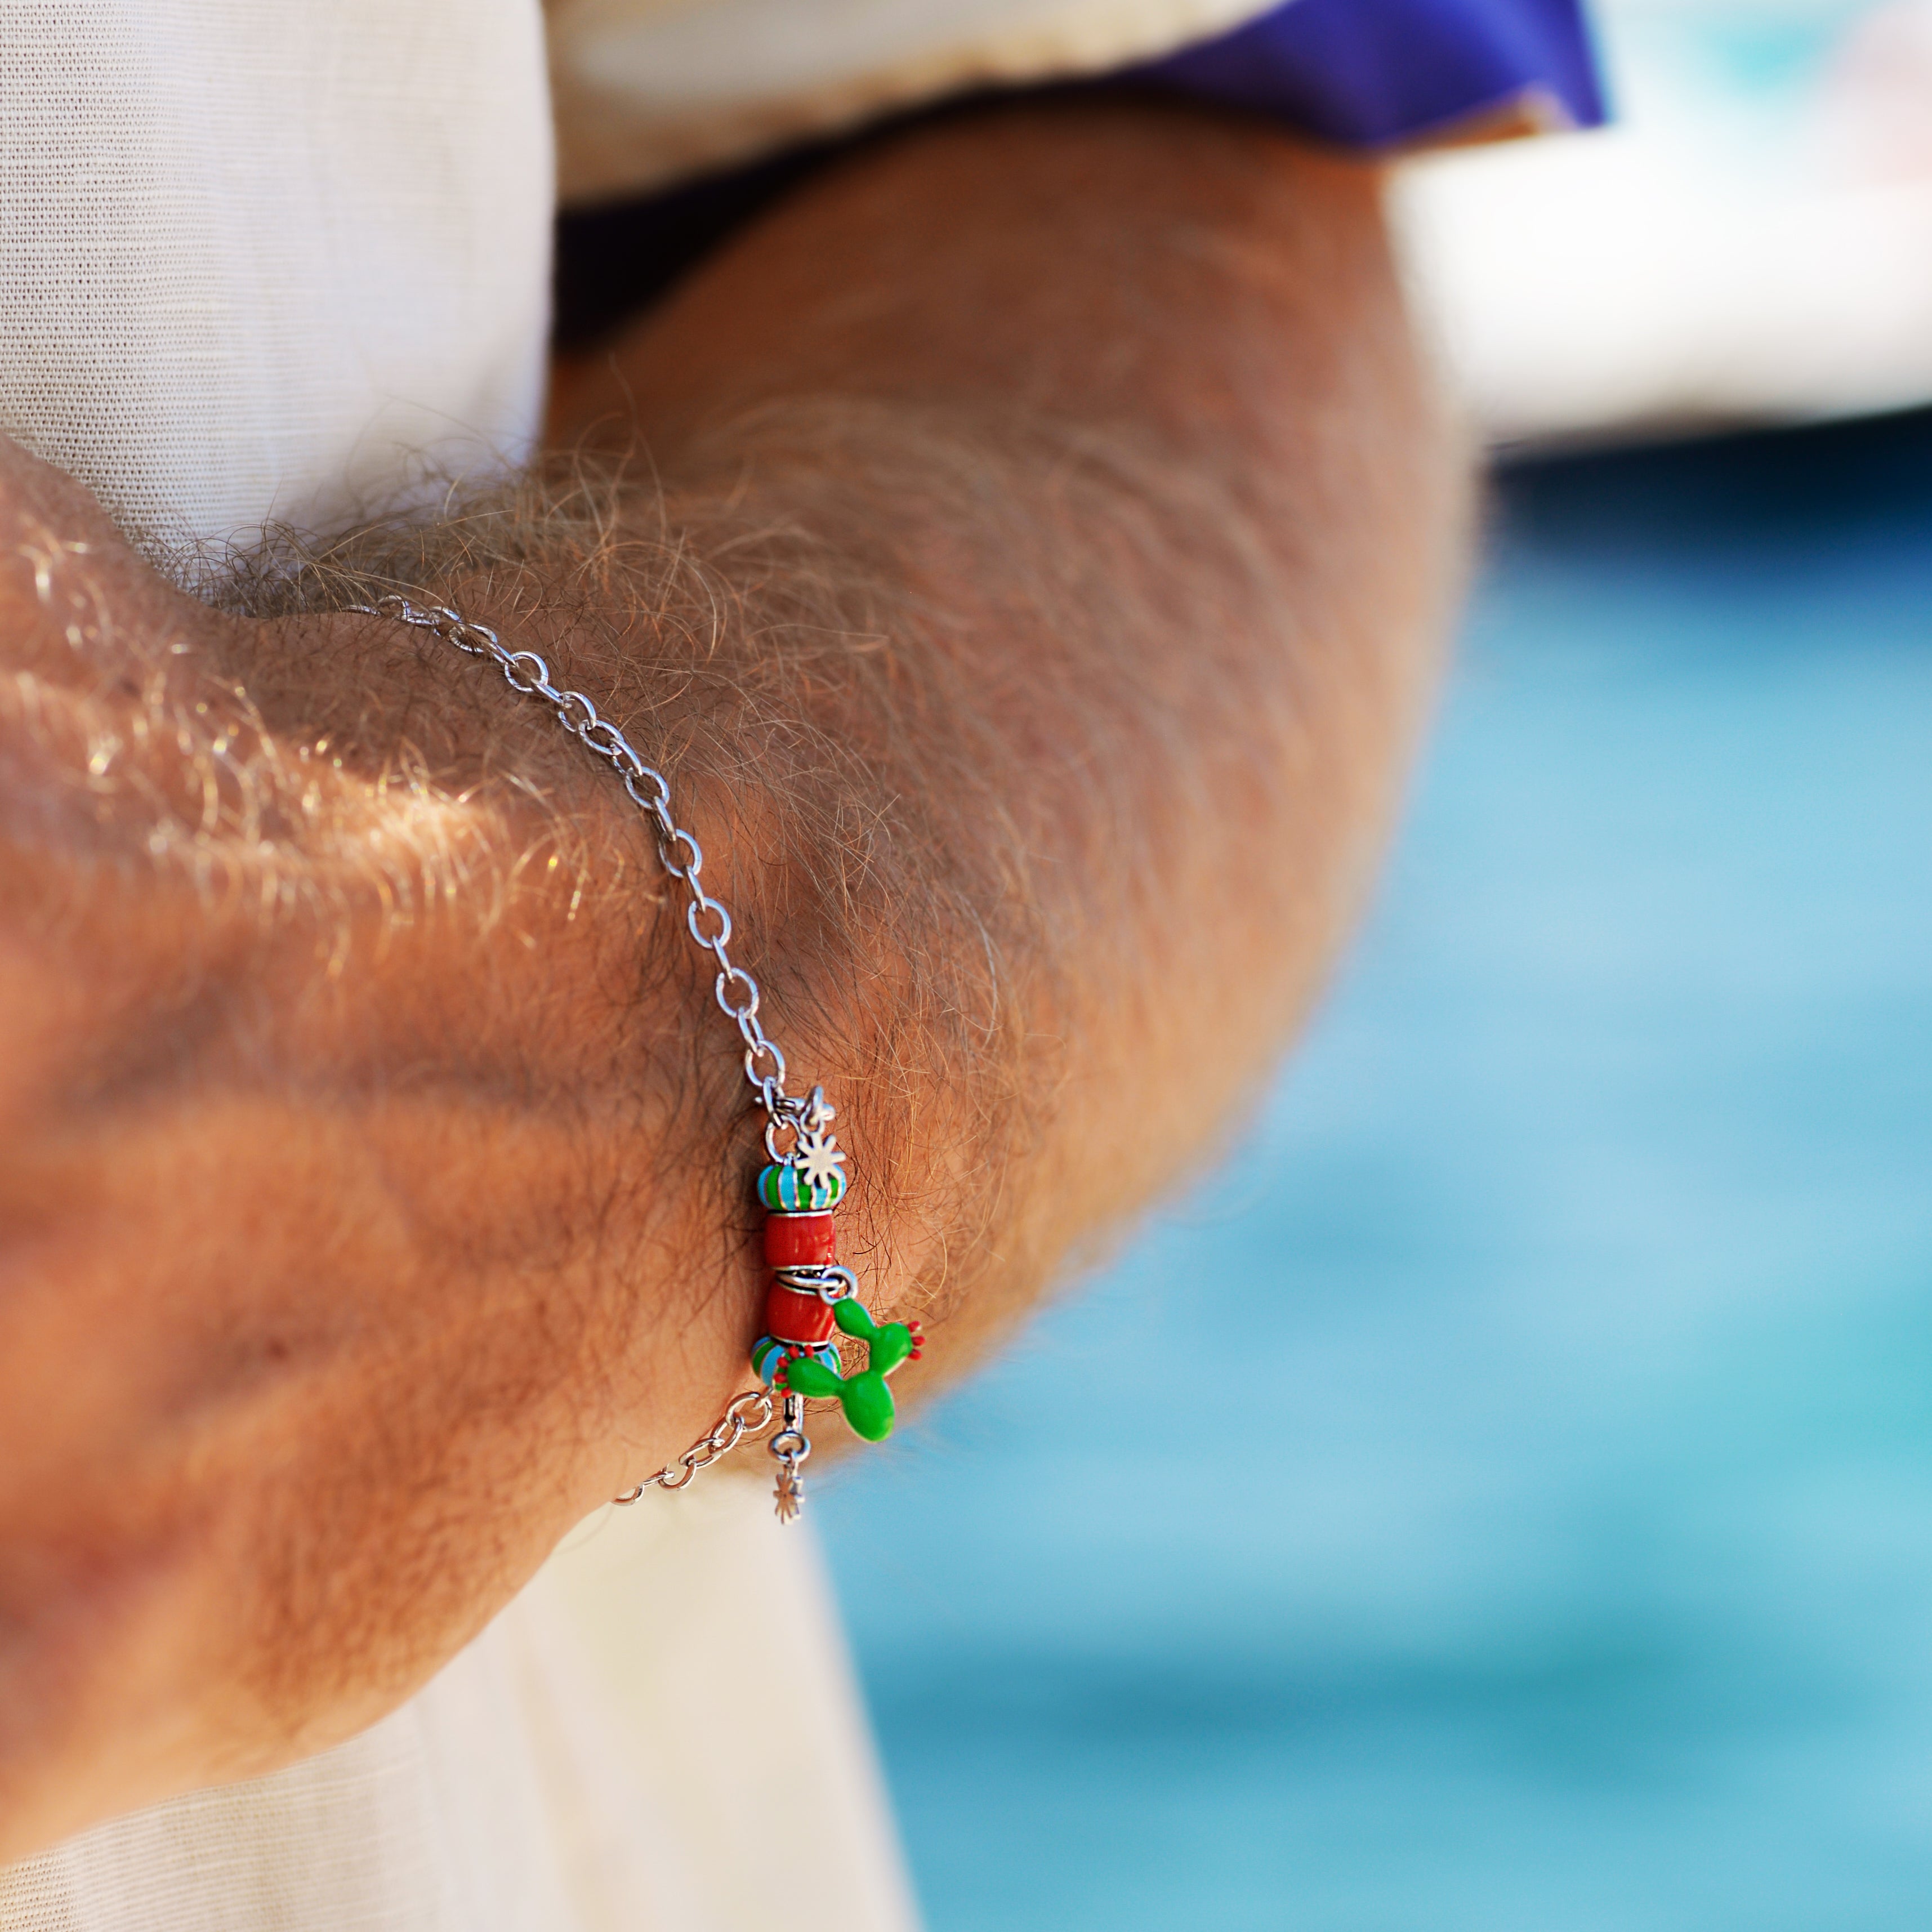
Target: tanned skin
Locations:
point(1024, 550)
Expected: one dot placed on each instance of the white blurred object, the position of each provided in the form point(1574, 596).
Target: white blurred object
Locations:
point(1751, 242)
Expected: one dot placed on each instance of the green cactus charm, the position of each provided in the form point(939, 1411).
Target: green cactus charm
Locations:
point(866, 1400)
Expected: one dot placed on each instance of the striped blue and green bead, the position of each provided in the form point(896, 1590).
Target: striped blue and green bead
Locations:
point(784, 1189)
point(769, 1356)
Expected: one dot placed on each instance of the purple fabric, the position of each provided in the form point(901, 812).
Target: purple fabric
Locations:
point(1366, 72)
point(1369, 72)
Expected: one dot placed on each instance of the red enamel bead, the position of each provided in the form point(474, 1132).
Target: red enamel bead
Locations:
point(790, 1316)
point(800, 1240)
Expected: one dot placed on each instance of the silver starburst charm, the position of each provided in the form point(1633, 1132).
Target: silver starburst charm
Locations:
point(819, 1158)
point(790, 1493)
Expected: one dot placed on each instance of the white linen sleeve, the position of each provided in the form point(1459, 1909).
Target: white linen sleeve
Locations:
point(279, 261)
point(648, 91)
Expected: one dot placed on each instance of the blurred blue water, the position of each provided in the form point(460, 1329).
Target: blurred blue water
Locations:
point(1502, 1498)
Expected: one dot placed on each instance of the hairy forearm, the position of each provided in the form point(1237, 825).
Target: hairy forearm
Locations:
point(1023, 554)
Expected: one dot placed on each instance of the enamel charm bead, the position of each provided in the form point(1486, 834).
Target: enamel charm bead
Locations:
point(784, 1189)
point(800, 1240)
point(800, 1317)
point(769, 1355)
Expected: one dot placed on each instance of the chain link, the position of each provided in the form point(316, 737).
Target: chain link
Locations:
point(708, 920)
point(747, 1414)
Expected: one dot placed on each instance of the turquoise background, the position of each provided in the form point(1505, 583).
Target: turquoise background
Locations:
point(1501, 1497)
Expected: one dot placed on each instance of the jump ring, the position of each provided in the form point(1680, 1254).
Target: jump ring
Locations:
point(776, 1126)
point(829, 1282)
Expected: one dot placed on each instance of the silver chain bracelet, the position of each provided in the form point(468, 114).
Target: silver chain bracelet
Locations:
point(810, 1298)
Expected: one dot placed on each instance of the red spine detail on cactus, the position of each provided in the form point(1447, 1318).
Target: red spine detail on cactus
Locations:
point(801, 1318)
point(800, 1240)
